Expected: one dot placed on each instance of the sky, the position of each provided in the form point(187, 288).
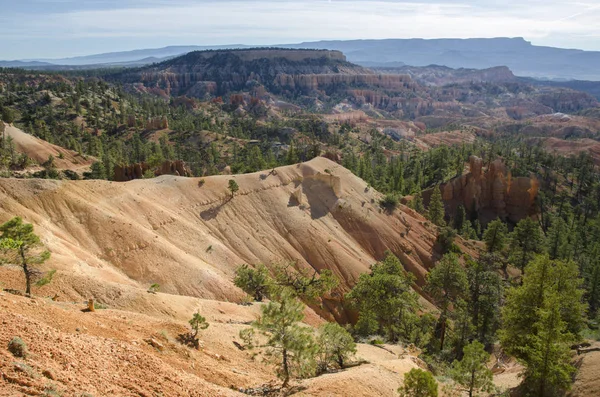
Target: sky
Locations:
point(32, 29)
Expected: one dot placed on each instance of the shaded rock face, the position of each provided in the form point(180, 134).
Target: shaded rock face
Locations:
point(490, 194)
point(137, 170)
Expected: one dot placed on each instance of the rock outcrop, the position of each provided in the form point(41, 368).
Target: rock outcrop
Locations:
point(491, 193)
point(137, 170)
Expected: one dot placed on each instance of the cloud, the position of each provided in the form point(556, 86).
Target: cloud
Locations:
point(111, 24)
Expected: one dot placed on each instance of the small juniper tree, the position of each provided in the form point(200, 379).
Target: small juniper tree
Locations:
point(24, 248)
point(418, 383)
point(233, 187)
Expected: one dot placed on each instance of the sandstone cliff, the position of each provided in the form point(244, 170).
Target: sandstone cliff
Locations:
point(490, 194)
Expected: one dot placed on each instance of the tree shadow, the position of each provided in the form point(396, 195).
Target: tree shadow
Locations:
point(188, 340)
point(212, 213)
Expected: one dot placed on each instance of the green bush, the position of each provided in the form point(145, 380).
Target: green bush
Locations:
point(419, 383)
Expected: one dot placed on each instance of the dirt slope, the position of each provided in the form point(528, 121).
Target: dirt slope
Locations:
point(189, 237)
point(110, 353)
point(39, 150)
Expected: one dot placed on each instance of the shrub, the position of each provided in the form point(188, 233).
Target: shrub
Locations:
point(389, 202)
point(254, 282)
point(335, 346)
point(17, 347)
point(419, 383)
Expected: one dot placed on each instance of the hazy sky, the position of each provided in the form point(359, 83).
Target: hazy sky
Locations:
point(61, 28)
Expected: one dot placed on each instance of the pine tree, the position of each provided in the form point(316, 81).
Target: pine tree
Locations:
point(289, 343)
point(436, 211)
point(495, 236)
point(541, 317)
point(558, 245)
point(460, 218)
point(292, 155)
point(418, 383)
point(549, 366)
point(335, 346)
point(26, 248)
point(526, 241)
point(417, 203)
point(471, 372)
point(485, 295)
point(446, 283)
point(385, 300)
point(233, 187)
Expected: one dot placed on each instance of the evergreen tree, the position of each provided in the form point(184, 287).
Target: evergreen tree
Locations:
point(541, 317)
point(526, 241)
point(292, 155)
point(288, 343)
point(485, 295)
point(97, 171)
point(495, 236)
point(255, 282)
point(549, 368)
point(335, 346)
point(417, 202)
point(471, 372)
point(460, 218)
point(446, 283)
point(26, 248)
point(436, 211)
point(385, 300)
point(558, 244)
point(233, 187)
point(418, 383)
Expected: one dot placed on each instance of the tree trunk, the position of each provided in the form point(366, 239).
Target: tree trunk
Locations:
point(286, 370)
point(443, 333)
point(472, 383)
point(27, 273)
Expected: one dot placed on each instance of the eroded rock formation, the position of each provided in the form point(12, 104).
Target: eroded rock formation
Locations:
point(137, 170)
point(491, 193)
